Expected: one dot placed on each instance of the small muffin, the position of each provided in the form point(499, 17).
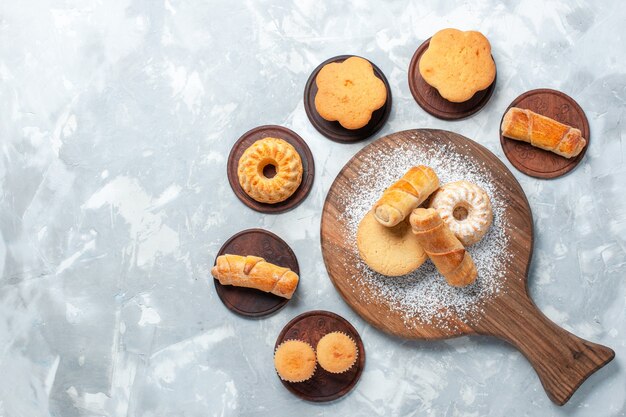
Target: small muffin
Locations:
point(391, 251)
point(336, 352)
point(349, 92)
point(465, 208)
point(294, 361)
point(458, 64)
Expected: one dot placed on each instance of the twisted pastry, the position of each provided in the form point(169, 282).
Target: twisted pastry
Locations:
point(405, 194)
point(443, 248)
point(254, 272)
point(541, 131)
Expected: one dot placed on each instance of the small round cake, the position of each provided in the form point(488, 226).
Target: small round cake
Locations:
point(294, 361)
point(391, 251)
point(349, 92)
point(458, 64)
point(465, 208)
point(270, 153)
point(336, 352)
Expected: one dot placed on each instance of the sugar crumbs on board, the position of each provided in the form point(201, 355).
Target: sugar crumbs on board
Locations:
point(424, 296)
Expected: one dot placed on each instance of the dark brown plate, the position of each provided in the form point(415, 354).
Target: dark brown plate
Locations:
point(258, 242)
point(537, 162)
point(324, 386)
point(308, 167)
point(430, 100)
point(334, 130)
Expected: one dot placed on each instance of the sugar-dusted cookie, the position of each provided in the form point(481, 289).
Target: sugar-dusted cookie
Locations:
point(458, 64)
point(391, 251)
point(349, 92)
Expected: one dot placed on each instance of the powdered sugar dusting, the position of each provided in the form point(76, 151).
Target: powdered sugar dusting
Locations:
point(424, 296)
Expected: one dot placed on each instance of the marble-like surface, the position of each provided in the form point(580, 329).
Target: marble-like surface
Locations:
point(116, 118)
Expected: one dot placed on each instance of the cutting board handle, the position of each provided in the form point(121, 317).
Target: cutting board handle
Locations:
point(562, 360)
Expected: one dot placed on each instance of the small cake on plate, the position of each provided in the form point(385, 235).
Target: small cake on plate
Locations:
point(294, 361)
point(336, 352)
point(349, 92)
point(458, 64)
point(273, 152)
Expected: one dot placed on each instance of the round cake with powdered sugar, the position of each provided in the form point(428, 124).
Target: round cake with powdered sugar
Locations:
point(423, 296)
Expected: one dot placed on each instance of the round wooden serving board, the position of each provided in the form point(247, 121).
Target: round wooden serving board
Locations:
point(562, 360)
point(258, 242)
point(324, 386)
point(279, 132)
point(537, 162)
point(431, 101)
point(333, 130)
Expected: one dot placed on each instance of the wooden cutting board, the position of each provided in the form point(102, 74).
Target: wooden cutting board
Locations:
point(562, 360)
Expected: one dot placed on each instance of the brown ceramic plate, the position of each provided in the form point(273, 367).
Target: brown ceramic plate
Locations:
point(308, 167)
point(258, 242)
point(333, 130)
point(537, 162)
point(324, 386)
point(431, 101)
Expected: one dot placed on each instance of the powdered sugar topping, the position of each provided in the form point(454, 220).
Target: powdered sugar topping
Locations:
point(424, 296)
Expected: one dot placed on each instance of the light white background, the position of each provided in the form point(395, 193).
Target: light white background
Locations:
point(116, 118)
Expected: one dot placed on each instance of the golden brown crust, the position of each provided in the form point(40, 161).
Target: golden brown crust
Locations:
point(255, 272)
point(295, 361)
point(443, 248)
point(336, 352)
point(458, 64)
point(270, 151)
point(391, 251)
point(404, 195)
point(543, 132)
point(349, 92)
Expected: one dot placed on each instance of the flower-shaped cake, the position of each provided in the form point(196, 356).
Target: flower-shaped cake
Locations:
point(349, 92)
point(458, 64)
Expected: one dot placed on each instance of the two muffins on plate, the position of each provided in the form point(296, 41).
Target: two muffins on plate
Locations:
point(296, 361)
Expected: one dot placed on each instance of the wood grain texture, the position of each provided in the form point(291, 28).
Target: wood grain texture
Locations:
point(562, 361)
point(334, 130)
point(324, 386)
point(431, 101)
point(280, 132)
point(248, 301)
point(537, 162)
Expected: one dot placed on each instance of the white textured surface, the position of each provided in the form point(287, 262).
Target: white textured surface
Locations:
point(116, 118)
